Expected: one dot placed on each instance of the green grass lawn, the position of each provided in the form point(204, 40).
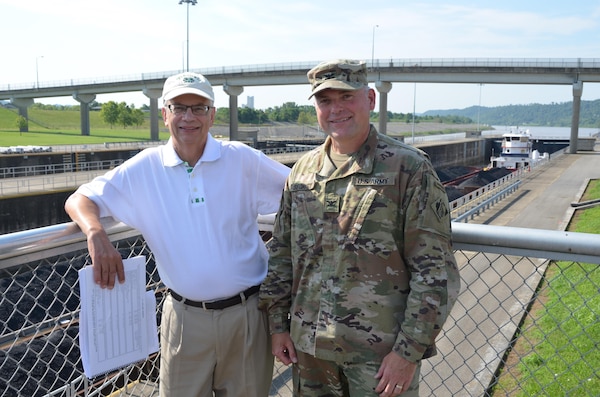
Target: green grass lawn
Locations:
point(63, 127)
point(557, 351)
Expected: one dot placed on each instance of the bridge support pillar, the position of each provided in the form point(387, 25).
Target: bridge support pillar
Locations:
point(383, 87)
point(233, 92)
point(84, 110)
point(22, 104)
point(573, 141)
point(153, 94)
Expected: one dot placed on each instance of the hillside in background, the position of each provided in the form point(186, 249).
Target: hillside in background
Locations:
point(555, 114)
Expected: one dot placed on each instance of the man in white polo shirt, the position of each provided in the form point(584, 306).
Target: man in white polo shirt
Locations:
point(195, 200)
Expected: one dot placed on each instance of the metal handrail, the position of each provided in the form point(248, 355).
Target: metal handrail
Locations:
point(494, 197)
point(22, 247)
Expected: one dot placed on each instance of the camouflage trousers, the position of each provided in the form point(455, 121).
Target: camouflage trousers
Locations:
point(313, 377)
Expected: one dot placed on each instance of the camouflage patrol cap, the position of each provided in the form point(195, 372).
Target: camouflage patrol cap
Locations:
point(340, 74)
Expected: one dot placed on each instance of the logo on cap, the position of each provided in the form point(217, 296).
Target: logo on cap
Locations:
point(190, 79)
point(187, 83)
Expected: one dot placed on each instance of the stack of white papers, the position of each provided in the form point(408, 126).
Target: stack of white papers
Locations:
point(118, 326)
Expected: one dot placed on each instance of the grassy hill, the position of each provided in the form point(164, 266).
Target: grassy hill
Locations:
point(60, 127)
point(552, 115)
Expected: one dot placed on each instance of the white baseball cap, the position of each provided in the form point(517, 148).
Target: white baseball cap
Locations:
point(187, 83)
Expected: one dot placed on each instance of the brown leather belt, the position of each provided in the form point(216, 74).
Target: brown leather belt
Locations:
point(217, 305)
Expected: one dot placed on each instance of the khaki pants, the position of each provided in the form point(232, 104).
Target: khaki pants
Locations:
point(226, 351)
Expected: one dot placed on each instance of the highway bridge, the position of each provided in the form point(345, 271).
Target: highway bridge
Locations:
point(382, 73)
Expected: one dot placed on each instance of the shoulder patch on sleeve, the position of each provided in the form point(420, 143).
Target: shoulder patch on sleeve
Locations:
point(440, 209)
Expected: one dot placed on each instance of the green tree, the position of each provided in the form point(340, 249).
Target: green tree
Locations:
point(287, 113)
point(110, 113)
point(222, 116)
point(247, 116)
point(125, 115)
point(306, 118)
point(121, 113)
point(22, 123)
point(137, 116)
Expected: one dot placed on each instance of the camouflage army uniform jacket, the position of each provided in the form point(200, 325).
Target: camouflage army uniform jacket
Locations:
point(361, 260)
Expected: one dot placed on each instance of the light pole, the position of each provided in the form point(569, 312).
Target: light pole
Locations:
point(182, 56)
point(37, 75)
point(188, 2)
point(373, 48)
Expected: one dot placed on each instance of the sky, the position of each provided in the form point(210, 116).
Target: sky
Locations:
point(60, 40)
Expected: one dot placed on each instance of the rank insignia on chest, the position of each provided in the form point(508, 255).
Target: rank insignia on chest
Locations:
point(332, 203)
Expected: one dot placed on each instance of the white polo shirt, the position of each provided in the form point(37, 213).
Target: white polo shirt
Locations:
point(199, 223)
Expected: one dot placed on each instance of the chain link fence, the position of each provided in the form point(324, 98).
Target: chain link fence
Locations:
point(493, 344)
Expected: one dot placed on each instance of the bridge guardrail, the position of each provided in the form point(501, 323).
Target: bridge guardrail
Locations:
point(574, 63)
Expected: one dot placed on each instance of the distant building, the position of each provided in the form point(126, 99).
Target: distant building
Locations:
point(250, 102)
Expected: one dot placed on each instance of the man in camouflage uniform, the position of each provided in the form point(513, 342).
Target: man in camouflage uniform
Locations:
point(361, 272)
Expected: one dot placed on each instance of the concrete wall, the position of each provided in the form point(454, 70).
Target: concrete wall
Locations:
point(473, 152)
point(30, 212)
point(38, 161)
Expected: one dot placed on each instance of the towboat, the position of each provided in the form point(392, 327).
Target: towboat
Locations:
point(516, 151)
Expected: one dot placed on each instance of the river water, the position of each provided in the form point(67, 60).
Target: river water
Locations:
point(535, 132)
point(544, 132)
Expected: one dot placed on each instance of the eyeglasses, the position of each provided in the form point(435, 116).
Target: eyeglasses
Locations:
point(197, 110)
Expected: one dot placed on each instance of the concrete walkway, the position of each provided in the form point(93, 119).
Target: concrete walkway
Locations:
point(495, 292)
point(544, 199)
